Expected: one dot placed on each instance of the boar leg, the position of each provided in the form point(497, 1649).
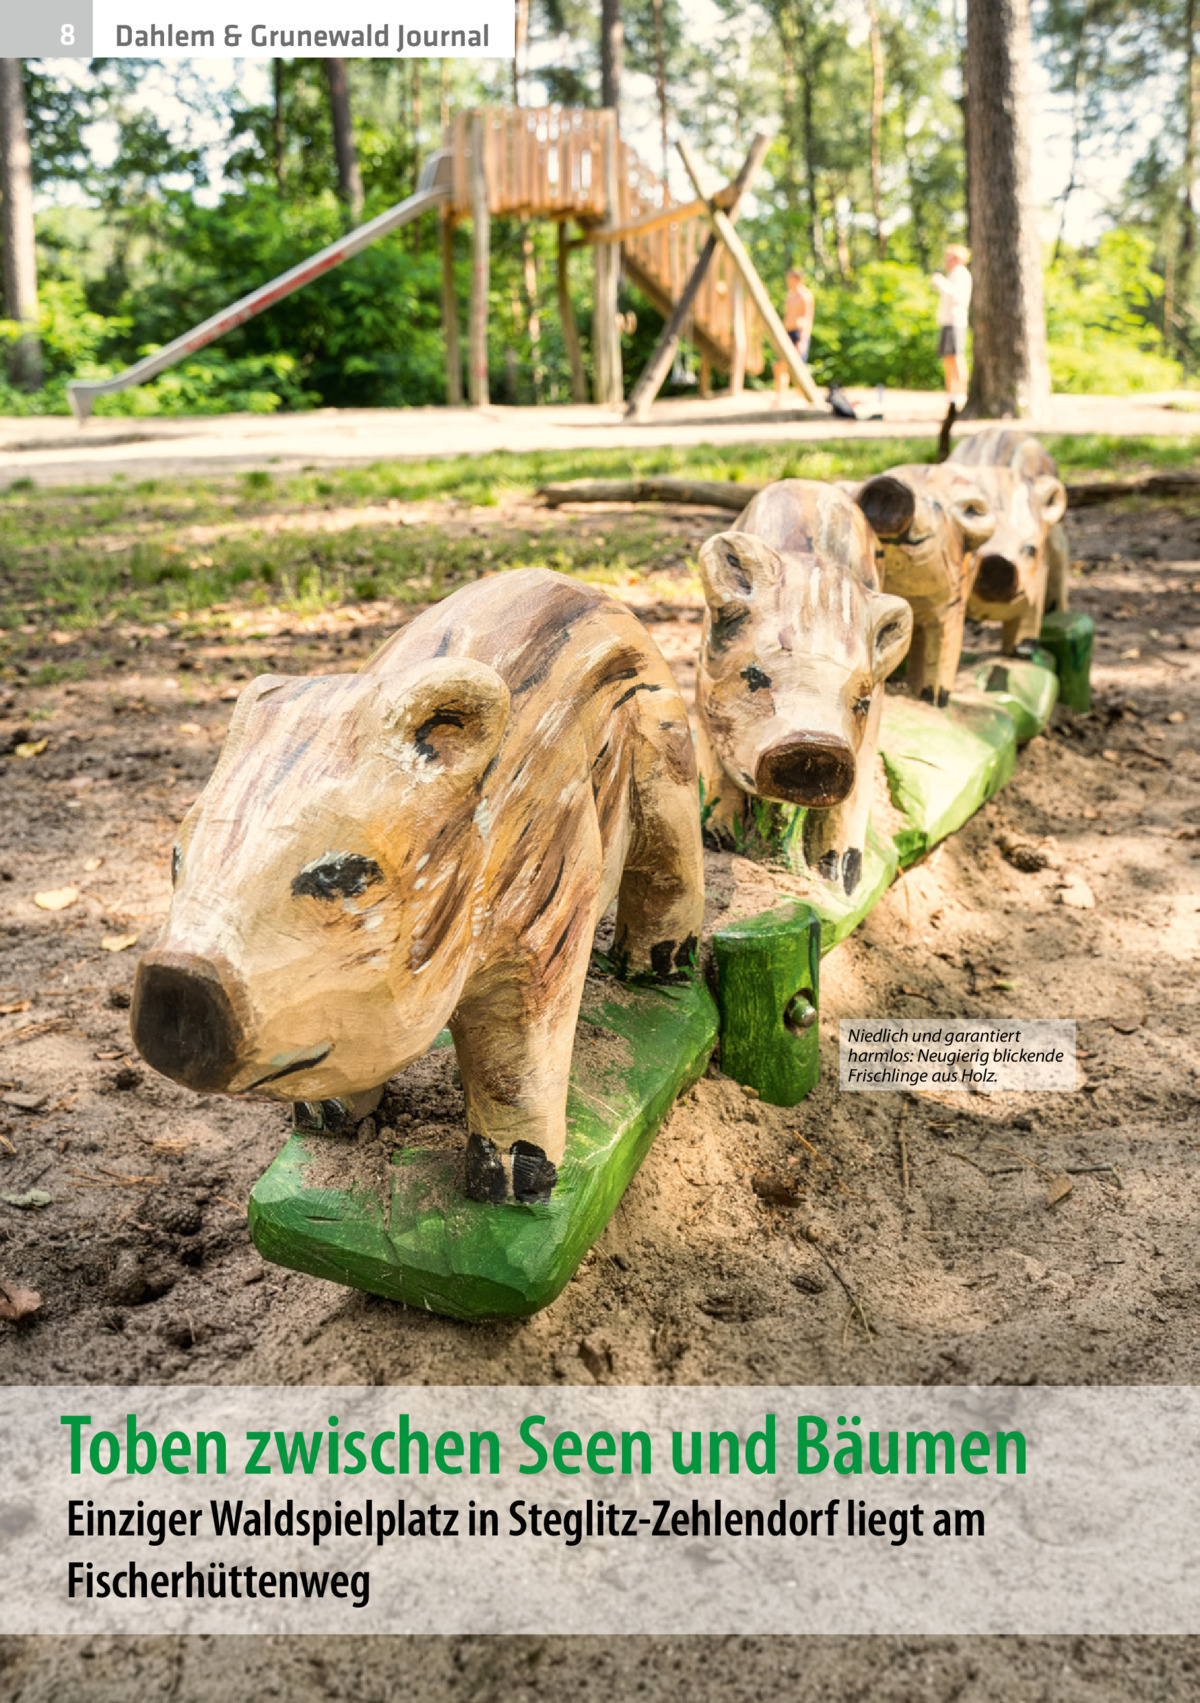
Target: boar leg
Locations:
point(1022, 629)
point(514, 1041)
point(660, 903)
point(835, 839)
point(936, 647)
point(1058, 563)
point(723, 802)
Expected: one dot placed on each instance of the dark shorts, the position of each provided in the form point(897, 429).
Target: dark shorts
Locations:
point(950, 341)
point(801, 341)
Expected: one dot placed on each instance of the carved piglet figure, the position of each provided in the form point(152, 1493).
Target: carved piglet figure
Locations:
point(432, 841)
point(797, 642)
point(1024, 567)
point(930, 521)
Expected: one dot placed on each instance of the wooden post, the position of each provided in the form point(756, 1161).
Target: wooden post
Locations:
point(606, 341)
point(454, 393)
point(783, 345)
point(737, 372)
point(705, 377)
point(566, 318)
point(658, 366)
point(477, 377)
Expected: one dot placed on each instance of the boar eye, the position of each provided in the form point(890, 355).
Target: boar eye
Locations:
point(861, 706)
point(336, 875)
point(176, 865)
point(1029, 549)
point(755, 678)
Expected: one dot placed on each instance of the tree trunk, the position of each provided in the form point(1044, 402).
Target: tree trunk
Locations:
point(612, 53)
point(566, 318)
point(1011, 375)
point(520, 37)
point(277, 130)
point(660, 84)
point(450, 312)
point(349, 180)
point(876, 39)
point(16, 228)
point(807, 91)
point(481, 239)
point(416, 145)
point(1185, 270)
point(606, 338)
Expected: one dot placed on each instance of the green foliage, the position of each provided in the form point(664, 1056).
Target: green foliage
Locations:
point(1104, 317)
point(881, 329)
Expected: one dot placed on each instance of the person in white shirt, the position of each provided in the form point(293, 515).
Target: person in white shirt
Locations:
point(953, 310)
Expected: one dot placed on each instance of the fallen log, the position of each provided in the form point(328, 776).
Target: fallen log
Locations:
point(1086, 495)
point(702, 493)
point(734, 494)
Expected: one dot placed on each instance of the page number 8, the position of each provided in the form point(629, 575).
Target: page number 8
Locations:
point(67, 37)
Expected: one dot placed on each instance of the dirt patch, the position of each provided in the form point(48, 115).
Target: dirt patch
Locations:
point(142, 1254)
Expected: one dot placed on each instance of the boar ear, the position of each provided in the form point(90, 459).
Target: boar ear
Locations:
point(450, 719)
point(975, 517)
point(260, 687)
point(891, 634)
point(734, 566)
point(1051, 495)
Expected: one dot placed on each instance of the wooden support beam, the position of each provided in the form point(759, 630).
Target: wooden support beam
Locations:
point(606, 339)
point(658, 366)
point(566, 319)
point(454, 393)
point(723, 229)
point(737, 372)
point(481, 236)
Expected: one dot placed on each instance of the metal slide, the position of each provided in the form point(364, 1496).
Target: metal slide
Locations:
point(433, 190)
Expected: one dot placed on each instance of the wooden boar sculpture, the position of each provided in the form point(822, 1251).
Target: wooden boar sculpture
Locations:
point(798, 639)
point(432, 841)
point(930, 521)
point(1023, 570)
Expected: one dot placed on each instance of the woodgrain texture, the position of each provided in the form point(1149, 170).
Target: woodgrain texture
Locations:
point(797, 642)
point(1023, 570)
point(930, 521)
point(432, 841)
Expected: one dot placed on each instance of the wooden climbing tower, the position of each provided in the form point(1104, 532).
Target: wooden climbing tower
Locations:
point(571, 166)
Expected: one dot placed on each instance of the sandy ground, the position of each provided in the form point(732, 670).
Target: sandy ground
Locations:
point(146, 1272)
point(56, 451)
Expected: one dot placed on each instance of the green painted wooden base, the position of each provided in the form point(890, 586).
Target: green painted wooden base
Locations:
point(1027, 691)
point(942, 765)
point(1070, 638)
point(767, 989)
point(411, 1235)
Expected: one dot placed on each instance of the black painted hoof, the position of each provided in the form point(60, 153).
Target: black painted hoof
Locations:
point(830, 866)
point(486, 1178)
point(943, 698)
point(1024, 648)
point(533, 1176)
point(328, 1117)
point(851, 869)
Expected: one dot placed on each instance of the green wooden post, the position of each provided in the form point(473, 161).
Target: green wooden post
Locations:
point(767, 990)
point(1069, 637)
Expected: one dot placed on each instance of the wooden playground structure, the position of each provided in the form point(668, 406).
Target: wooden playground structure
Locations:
point(569, 166)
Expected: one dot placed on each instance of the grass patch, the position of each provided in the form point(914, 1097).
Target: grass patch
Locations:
point(77, 557)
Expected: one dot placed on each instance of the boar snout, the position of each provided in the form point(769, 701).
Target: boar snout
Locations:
point(183, 1019)
point(889, 504)
point(813, 769)
point(997, 580)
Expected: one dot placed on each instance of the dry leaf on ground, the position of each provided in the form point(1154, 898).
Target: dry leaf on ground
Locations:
point(1059, 1189)
point(18, 1303)
point(56, 898)
point(15, 1006)
point(118, 942)
point(93, 864)
point(30, 748)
